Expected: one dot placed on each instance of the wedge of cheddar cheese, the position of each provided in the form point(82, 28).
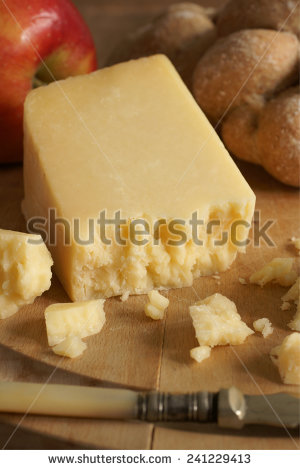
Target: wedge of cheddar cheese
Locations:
point(130, 139)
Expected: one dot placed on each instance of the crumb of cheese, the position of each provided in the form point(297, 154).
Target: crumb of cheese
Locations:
point(217, 322)
point(72, 347)
point(264, 326)
point(153, 312)
point(296, 243)
point(287, 358)
point(293, 294)
point(158, 300)
point(200, 353)
point(279, 270)
point(242, 280)
point(285, 306)
point(295, 323)
point(74, 319)
point(125, 296)
point(156, 306)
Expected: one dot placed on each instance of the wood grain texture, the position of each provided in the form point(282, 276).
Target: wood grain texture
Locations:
point(37, 432)
point(132, 350)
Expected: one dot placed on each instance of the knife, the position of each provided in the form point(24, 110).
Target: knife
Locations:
point(229, 408)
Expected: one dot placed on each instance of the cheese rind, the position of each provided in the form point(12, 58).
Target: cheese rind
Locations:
point(79, 319)
point(217, 322)
point(131, 138)
point(25, 270)
point(287, 357)
point(72, 347)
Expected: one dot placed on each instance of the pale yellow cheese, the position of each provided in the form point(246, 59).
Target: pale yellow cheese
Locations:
point(74, 319)
point(287, 357)
point(159, 301)
point(294, 324)
point(131, 138)
point(72, 347)
point(25, 270)
point(264, 326)
point(279, 270)
point(153, 312)
point(293, 294)
point(156, 306)
point(200, 353)
point(217, 322)
point(296, 243)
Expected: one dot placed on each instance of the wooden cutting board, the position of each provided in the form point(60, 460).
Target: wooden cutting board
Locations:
point(134, 351)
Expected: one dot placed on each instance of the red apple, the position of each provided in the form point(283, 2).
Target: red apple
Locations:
point(40, 41)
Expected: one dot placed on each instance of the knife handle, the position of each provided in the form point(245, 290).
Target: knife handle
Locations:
point(192, 407)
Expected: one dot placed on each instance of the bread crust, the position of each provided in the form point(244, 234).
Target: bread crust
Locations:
point(268, 14)
point(269, 135)
point(278, 137)
point(183, 33)
point(238, 131)
point(248, 66)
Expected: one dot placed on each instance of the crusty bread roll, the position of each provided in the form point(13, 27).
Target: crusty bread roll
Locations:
point(248, 66)
point(238, 130)
point(183, 33)
point(269, 14)
point(278, 137)
point(269, 135)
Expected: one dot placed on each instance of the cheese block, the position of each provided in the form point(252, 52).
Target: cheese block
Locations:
point(25, 270)
point(130, 140)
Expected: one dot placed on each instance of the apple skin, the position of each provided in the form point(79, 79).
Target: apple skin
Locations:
point(34, 33)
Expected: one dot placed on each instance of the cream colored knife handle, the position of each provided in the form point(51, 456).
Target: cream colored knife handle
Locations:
point(77, 401)
point(230, 408)
point(67, 400)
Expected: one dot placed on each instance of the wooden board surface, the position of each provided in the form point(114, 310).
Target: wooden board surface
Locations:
point(134, 351)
